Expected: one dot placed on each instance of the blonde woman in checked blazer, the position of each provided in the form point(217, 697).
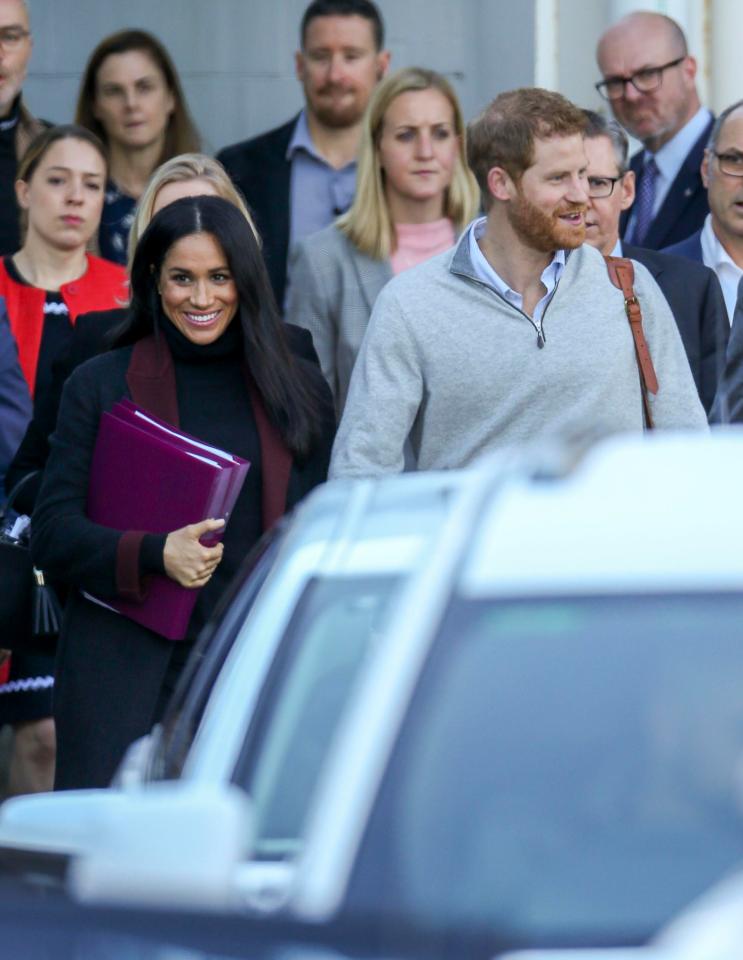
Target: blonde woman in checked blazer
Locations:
point(414, 195)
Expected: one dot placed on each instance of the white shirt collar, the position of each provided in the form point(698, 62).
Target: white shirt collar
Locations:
point(715, 256)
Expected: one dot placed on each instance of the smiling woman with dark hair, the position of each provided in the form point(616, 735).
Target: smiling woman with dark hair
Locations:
point(205, 335)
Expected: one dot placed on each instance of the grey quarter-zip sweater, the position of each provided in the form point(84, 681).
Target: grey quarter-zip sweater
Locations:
point(448, 363)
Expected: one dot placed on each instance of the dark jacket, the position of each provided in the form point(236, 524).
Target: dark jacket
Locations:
point(15, 400)
point(261, 171)
point(110, 671)
point(728, 406)
point(695, 297)
point(685, 206)
point(691, 248)
point(89, 338)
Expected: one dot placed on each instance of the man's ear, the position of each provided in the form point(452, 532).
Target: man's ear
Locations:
point(383, 63)
point(627, 185)
point(299, 65)
point(704, 170)
point(500, 184)
point(689, 70)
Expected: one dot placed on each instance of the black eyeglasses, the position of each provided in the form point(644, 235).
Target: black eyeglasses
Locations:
point(644, 81)
point(12, 37)
point(601, 187)
point(730, 163)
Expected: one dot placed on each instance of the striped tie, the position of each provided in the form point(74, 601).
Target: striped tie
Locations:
point(645, 201)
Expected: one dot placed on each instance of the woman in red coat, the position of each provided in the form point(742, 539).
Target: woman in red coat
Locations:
point(47, 284)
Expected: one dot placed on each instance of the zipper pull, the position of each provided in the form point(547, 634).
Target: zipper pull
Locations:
point(540, 339)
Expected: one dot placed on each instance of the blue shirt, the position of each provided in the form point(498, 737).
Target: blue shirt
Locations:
point(485, 272)
point(319, 192)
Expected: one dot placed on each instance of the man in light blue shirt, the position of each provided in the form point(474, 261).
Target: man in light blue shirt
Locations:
point(299, 177)
point(649, 81)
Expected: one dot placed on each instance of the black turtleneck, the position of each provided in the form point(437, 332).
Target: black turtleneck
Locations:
point(10, 235)
point(214, 406)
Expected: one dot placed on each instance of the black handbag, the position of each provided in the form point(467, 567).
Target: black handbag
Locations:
point(30, 611)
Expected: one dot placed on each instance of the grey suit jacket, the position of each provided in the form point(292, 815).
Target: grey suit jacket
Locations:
point(332, 289)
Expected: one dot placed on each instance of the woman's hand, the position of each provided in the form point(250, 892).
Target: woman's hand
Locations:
point(186, 560)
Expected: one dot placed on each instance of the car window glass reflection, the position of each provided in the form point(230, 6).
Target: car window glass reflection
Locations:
point(566, 767)
point(331, 632)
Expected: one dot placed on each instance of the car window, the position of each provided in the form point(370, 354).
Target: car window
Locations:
point(184, 712)
point(569, 770)
point(330, 633)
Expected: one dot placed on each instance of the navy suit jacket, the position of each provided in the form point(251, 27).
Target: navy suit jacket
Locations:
point(695, 297)
point(685, 206)
point(691, 248)
point(728, 407)
point(261, 171)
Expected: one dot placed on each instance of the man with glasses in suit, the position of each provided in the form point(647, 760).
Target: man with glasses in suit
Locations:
point(691, 289)
point(649, 81)
point(719, 243)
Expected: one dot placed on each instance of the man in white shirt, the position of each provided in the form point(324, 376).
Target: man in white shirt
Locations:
point(719, 243)
point(691, 289)
point(649, 81)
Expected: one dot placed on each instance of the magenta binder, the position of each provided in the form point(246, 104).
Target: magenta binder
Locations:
point(127, 410)
point(147, 476)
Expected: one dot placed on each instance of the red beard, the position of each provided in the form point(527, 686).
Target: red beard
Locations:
point(542, 231)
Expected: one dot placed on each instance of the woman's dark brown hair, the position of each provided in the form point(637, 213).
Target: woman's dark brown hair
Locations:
point(291, 399)
point(181, 135)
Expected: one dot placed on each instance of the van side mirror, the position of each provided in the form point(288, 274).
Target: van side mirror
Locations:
point(173, 845)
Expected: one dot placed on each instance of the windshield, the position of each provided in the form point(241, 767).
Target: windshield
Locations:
point(327, 639)
point(570, 770)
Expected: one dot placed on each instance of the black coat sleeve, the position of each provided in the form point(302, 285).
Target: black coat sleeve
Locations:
point(728, 406)
point(88, 340)
point(714, 334)
point(64, 543)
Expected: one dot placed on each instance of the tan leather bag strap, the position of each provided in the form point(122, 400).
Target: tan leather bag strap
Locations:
point(622, 275)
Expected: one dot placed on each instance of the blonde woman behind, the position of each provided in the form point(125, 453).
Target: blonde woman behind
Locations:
point(414, 195)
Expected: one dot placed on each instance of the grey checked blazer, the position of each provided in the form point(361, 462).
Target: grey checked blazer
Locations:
point(332, 289)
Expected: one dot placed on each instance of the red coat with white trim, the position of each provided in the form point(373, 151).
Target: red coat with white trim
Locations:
point(101, 287)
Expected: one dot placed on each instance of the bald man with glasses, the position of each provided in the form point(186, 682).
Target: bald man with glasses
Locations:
point(649, 80)
point(719, 243)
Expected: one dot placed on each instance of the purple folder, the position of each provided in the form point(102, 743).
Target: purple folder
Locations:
point(127, 410)
point(146, 475)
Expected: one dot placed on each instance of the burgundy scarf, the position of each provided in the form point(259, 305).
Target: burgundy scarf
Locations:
point(151, 382)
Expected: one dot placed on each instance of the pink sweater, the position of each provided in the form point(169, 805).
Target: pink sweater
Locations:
point(417, 242)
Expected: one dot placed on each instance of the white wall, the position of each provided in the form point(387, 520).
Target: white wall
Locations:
point(236, 56)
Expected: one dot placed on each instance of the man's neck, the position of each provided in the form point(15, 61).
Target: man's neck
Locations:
point(7, 110)
point(653, 144)
point(337, 145)
point(131, 169)
point(731, 243)
point(517, 264)
point(610, 246)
